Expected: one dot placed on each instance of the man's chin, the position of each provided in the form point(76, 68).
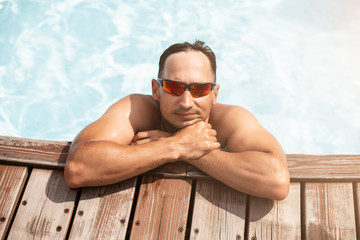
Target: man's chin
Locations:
point(174, 126)
point(187, 123)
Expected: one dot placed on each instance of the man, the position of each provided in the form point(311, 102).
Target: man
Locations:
point(181, 121)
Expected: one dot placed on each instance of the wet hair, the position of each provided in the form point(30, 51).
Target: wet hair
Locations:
point(183, 47)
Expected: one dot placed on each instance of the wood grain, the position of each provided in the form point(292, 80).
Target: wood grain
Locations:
point(12, 180)
point(172, 170)
point(357, 208)
point(329, 211)
point(324, 167)
point(270, 219)
point(104, 212)
point(53, 154)
point(162, 209)
point(330, 208)
point(219, 212)
point(46, 207)
point(31, 152)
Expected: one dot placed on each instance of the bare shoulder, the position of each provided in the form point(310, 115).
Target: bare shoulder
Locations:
point(122, 120)
point(132, 107)
point(232, 117)
point(239, 130)
point(225, 108)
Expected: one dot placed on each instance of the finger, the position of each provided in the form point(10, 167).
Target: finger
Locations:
point(150, 134)
point(216, 145)
point(140, 135)
point(200, 124)
point(159, 133)
point(212, 132)
point(142, 141)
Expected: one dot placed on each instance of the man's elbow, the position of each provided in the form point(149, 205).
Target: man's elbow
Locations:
point(281, 186)
point(72, 175)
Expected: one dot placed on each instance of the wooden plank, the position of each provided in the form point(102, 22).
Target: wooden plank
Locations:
point(31, 152)
point(53, 154)
point(329, 211)
point(12, 180)
point(193, 172)
point(46, 207)
point(357, 208)
point(270, 219)
point(324, 167)
point(170, 170)
point(219, 212)
point(162, 209)
point(104, 212)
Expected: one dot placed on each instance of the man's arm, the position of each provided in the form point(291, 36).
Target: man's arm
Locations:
point(103, 154)
point(102, 162)
point(254, 162)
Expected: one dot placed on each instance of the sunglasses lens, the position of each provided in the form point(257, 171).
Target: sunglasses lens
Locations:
point(178, 88)
point(200, 90)
point(173, 88)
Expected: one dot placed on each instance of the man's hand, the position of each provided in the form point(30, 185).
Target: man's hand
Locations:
point(196, 140)
point(192, 142)
point(149, 136)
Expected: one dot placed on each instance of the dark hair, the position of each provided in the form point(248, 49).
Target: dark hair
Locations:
point(183, 47)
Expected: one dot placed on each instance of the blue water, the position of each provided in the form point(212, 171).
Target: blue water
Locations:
point(293, 64)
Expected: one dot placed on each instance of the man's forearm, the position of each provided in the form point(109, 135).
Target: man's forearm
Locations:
point(97, 163)
point(255, 173)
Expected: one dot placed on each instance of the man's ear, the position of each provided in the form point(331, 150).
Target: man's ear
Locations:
point(215, 92)
point(155, 90)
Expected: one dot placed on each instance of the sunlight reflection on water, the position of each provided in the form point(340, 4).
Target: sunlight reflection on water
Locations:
point(294, 65)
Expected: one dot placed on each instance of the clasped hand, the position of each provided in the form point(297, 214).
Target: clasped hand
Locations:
point(192, 142)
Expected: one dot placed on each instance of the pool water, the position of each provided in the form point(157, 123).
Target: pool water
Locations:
point(293, 64)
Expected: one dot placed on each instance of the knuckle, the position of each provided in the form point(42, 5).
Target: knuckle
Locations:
point(158, 132)
point(141, 134)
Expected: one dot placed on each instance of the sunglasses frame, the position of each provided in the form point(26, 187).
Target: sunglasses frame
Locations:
point(186, 86)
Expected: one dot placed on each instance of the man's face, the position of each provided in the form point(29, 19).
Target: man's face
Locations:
point(185, 110)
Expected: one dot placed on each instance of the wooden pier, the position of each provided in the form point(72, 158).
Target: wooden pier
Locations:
point(175, 201)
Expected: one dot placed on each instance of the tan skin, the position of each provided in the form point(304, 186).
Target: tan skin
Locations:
point(140, 132)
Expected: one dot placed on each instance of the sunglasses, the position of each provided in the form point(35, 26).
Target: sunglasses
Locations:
point(178, 88)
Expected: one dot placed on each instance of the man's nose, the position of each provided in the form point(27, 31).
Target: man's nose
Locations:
point(186, 100)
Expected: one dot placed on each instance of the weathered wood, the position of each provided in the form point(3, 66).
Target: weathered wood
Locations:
point(31, 152)
point(12, 180)
point(193, 172)
point(53, 154)
point(357, 208)
point(104, 212)
point(219, 212)
point(46, 207)
point(270, 219)
point(324, 167)
point(173, 170)
point(162, 209)
point(329, 211)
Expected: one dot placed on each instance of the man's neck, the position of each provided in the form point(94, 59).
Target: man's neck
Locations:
point(167, 127)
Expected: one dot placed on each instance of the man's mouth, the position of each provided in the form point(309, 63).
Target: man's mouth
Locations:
point(187, 115)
